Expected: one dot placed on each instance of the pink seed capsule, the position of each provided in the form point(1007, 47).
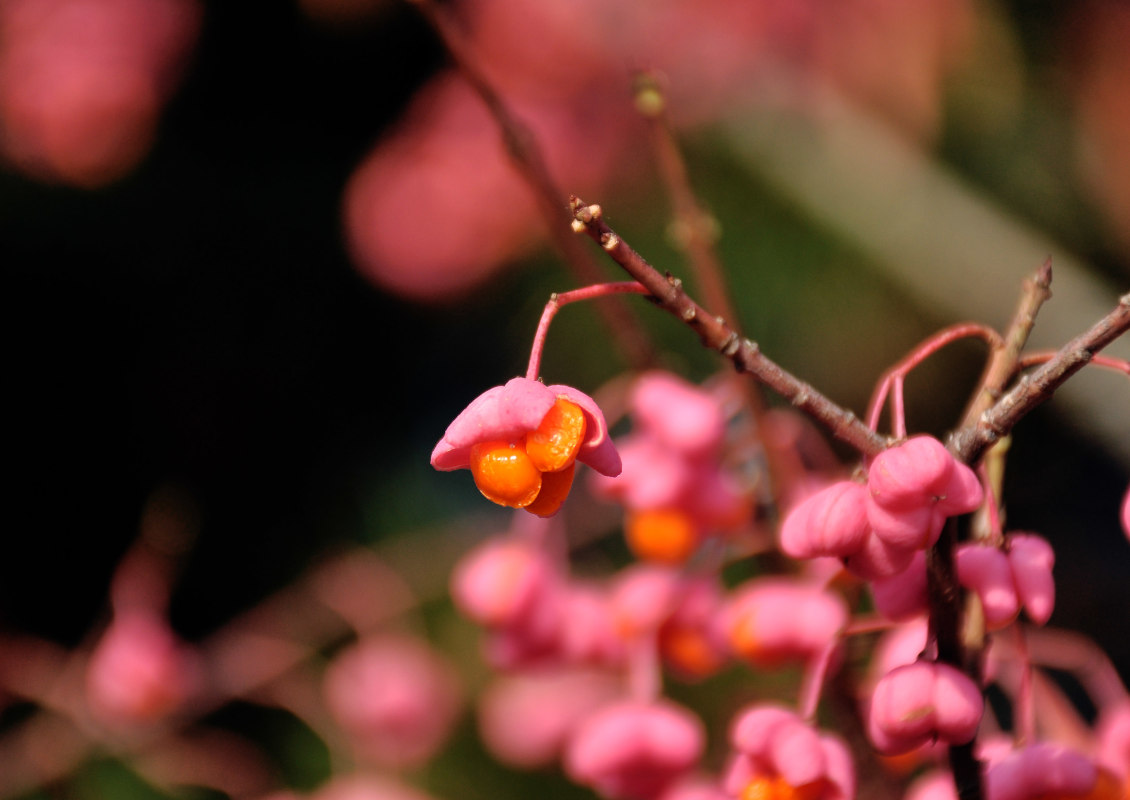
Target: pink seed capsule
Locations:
point(918, 702)
point(1032, 559)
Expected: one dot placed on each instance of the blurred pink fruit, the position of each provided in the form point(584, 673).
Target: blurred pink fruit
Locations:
point(82, 82)
point(395, 697)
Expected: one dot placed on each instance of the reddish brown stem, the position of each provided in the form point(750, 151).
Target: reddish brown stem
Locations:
point(527, 157)
point(970, 442)
point(716, 334)
point(1002, 365)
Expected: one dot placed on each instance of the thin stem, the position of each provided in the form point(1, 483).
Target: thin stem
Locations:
point(521, 144)
point(816, 671)
point(1038, 357)
point(556, 301)
point(695, 231)
point(969, 443)
point(1025, 705)
point(898, 408)
point(925, 349)
point(716, 334)
point(1002, 364)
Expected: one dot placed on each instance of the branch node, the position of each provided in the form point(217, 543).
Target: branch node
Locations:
point(577, 226)
point(676, 283)
point(801, 397)
point(752, 348)
point(732, 344)
point(689, 314)
point(609, 241)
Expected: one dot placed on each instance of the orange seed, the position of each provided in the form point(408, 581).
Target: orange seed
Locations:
point(554, 489)
point(553, 446)
point(666, 536)
point(504, 473)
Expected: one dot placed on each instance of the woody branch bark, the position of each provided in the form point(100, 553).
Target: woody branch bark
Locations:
point(715, 333)
point(970, 442)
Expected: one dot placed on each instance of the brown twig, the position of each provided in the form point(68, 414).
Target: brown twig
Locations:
point(1002, 365)
point(695, 231)
point(987, 423)
point(716, 334)
point(521, 144)
point(970, 442)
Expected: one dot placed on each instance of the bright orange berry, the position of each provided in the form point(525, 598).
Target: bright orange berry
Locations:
point(554, 489)
point(689, 651)
point(504, 473)
point(666, 536)
point(745, 643)
point(555, 443)
point(775, 788)
point(1107, 787)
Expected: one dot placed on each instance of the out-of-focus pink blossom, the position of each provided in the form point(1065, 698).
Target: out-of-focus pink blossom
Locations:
point(139, 671)
point(771, 621)
point(634, 750)
point(1042, 770)
point(831, 522)
point(1113, 733)
point(436, 208)
point(678, 414)
point(673, 485)
point(590, 632)
point(695, 788)
point(1126, 514)
point(774, 746)
point(395, 697)
point(504, 582)
point(1101, 71)
point(691, 641)
point(916, 703)
point(510, 587)
point(367, 787)
point(82, 82)
point(935, 785)
point(526, 718)
point(643, 598)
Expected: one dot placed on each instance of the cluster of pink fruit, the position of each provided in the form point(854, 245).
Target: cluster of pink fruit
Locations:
point(582, 660)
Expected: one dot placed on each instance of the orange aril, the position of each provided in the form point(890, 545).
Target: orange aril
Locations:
point(554, 489)
point(504, 473)
point(744, 642)
point(689, 651)
point(1107, 787)
point(666, 536)
point(553, 446)
point(775, 788)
